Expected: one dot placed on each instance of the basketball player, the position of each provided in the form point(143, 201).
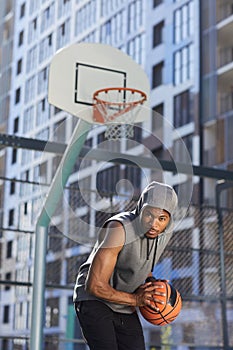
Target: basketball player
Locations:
point(112, 282)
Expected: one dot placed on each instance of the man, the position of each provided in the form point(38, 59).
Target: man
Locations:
point(114, 279)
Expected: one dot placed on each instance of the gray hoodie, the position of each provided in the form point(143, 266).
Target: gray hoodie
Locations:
point(139, 253)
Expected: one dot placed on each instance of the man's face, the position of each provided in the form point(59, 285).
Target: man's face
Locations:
point(154, 221)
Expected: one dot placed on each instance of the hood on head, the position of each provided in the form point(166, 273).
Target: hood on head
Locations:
point(158, 195)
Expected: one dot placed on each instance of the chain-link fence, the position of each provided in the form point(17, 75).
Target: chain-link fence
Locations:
point(198, 262)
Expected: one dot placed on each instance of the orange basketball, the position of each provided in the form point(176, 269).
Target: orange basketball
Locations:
point(167, 311)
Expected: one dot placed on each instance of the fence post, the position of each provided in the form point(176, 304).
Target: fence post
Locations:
point(221, 186)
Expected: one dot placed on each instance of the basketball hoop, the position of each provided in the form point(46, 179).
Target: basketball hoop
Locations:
point(117, 108)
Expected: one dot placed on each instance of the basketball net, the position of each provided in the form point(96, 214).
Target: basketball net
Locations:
point(117, 108)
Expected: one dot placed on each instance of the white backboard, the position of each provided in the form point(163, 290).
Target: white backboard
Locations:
point(77, 71)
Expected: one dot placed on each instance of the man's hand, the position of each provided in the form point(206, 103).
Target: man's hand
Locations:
point(145, 295)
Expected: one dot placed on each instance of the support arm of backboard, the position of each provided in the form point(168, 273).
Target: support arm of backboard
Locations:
point(63, 172)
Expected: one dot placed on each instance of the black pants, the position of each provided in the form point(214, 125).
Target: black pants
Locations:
point(105, 329)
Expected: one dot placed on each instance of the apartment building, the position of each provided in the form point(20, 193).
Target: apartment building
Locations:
point(216, 87)
point(184, 47)
point(6, 50)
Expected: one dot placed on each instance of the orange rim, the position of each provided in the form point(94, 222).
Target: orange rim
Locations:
point(97, 99)
point(99, 117)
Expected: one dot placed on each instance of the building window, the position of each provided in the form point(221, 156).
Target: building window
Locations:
point(157, 75)
point(183, 109)
point(107, 179)
point(133, 175)
point(56, 110)
point(30, 89)
point(137, 136)
point(34, 23)
point(135, 48)
point(31, 59)
point(181, 147)
point(229, 144)
point(47, 17)
point(106, 33)
point(43, 172)
point(159, 108)
point(33, 6)
point(12, 187)
point(9, 249)
point(158, 34)
point(19, 66)
point(24, 187)
point(5, 344)
point(8, 278)
point(77, 198)
point(135, 12)
point(25, 208)
point(52, 313)
point(6, 314)
point(43, 111)
point(183, 22)
point(183, 64)
point(63, 34)
point(22, 10)
point(21, 35)
point(157, 3)
point(32, 30)
point(85, 17)
point(188, 141)
point(157, 120)
point(50, 40)
point(55, 239)
point(46, 47)
point(11, 217)
point(17, 95)
point(118, 27)
point(108, 6)
point(43, 134)
point(14, 156)
point(63, 7)
point(53, 278)
point(62, 29)
point(16, 125)
point(28, 120)
point(43, 104)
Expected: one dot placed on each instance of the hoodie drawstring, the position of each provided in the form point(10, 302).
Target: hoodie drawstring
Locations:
point(149, 250)
point(155, 251)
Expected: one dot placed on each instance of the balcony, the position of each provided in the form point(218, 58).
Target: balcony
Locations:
point(226, 102)
point(224, 9)
point(225, 89)
point(225, 56)
point(210, 157)
point(224, 44)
